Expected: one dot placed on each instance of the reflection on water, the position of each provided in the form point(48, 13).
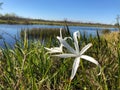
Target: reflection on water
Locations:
point(10, 33)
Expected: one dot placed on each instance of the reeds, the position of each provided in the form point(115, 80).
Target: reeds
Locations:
point(28, 66)
point(43, 33)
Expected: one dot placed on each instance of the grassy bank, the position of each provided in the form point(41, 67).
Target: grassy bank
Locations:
point(29, 66)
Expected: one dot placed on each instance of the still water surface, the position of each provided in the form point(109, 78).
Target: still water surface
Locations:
point(9, 32)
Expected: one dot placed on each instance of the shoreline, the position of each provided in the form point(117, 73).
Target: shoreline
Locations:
point(25, 21)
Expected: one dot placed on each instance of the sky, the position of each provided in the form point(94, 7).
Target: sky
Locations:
point(93, 11)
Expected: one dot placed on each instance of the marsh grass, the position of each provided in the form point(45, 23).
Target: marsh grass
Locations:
point(43, 33)
point(28, 67)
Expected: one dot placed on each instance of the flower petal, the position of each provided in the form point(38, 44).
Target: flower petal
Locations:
point(75, 35)
point(75, 67)
point(85, 48)
point(65, 44)
point(88, 58)
point(67, 38)
point(54, 50)
point(65, 55)
point(61, 32)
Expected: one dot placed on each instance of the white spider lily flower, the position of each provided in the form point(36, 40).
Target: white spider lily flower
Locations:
point(60, 48)
point(76, 53)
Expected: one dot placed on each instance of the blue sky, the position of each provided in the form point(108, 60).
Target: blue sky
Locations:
point(97, 11)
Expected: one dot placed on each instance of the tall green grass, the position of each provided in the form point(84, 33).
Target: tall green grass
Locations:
point(28, 67)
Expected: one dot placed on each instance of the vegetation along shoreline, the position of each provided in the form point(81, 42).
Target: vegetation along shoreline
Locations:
point(13, 19)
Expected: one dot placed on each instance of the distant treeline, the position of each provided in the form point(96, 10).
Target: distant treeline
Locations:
point(15, 19)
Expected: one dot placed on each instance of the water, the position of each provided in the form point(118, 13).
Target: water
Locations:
point(8, 33)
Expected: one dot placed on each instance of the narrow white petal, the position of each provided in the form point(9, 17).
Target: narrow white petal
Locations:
point(47, 48)
point(65, 44)
point(65, 55)
point(100, 70)
point(67, 38)
point(85, 48)
point(75, 35)
point(61, 46)
point(54, 50)
point(88, 58)
point(61, 32)
point(75, 67)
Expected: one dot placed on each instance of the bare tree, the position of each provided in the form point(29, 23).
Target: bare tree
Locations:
point(117, 22)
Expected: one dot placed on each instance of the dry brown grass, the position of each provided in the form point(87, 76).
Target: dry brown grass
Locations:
point(112, 39)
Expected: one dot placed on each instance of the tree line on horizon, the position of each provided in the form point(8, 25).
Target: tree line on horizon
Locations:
point(12, 18)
